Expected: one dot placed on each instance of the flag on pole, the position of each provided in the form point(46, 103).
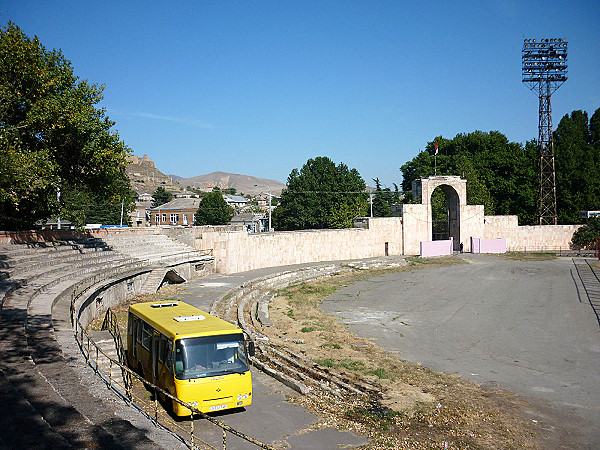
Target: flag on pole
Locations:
point(436, 147)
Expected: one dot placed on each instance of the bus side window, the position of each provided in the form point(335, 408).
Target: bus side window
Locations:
point(162, 348)
point(132, 329)
point(170, 359)
point(139, 330)
point(146, 336)
point(178, 361)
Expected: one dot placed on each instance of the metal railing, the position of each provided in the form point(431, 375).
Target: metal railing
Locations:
point(111, 324)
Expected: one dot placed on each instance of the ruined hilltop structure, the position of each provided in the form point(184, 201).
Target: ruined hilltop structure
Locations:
point(145, 177)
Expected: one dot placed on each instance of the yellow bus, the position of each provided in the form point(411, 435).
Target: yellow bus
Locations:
point(196, 357)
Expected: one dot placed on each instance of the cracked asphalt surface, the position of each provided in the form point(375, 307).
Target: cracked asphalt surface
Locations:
point(526, 326)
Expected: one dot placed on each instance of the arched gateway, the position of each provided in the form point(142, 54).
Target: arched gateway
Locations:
point(455, 191)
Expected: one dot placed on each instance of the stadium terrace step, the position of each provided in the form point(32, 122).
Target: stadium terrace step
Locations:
point(42, 392)
point(153, 248)
point(41, 388)
point(22, 259)
point(48, 265)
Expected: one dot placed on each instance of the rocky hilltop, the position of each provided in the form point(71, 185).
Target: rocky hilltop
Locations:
point(145, 178)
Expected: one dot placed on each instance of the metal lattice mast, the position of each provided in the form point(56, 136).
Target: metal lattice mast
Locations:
point(544, 71)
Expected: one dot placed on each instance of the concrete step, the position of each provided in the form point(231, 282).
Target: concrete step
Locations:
point(70, 261)
point(24, 250)
point(14, 261)
point(33, 364)
point(111, 370)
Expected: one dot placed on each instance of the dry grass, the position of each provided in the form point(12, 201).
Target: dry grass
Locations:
point(524, 256)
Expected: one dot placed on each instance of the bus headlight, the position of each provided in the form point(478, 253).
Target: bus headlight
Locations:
point(195, 404)
point(242, 396)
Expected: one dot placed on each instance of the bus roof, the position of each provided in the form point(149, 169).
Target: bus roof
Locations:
point(180, 320)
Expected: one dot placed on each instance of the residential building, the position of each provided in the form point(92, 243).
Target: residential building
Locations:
point(252, 222)
point(179, 211)
point(235, 201)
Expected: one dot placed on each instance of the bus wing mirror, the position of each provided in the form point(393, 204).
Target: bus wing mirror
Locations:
point(251, 348)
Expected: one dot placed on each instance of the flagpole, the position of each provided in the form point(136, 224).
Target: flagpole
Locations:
point(435, 159)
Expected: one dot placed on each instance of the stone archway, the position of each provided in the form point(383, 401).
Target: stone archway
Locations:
point(455, 190)
point(451, 217)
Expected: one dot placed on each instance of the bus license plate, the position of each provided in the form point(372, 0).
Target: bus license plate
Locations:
point(217, 407)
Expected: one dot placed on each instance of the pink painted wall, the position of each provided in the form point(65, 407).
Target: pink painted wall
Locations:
point(488, 245)
point(436, 248)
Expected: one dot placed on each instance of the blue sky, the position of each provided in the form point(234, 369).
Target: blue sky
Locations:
point(259, 87)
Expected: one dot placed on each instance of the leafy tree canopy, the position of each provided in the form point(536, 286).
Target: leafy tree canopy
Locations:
point(587, 234)
point(52, 137)
point(161, 196)
point(383, 199)
point(86, 209)
point(577, 165)
point(213, 210)
point(321, 195)
point(501, 175)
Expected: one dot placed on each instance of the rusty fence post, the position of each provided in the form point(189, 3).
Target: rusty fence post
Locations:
point(192, 429)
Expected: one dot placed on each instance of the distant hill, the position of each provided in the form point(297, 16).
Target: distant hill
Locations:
point(241, 183)
point(145, 177)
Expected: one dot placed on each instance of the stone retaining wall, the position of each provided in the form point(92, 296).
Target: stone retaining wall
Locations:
point(235, 250)
point(238, 251)
point(528, 238)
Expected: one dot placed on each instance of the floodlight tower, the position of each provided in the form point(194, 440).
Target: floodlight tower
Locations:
point(544, 71)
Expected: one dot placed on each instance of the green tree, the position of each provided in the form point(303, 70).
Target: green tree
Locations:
point(586, 236)
point(213, 210)
point(383, 199)
point(595, 130)
point(501, 175)
point(577, 162)
point(86, 209)
point(321, 195)
point(52, 136)
point(161, 196)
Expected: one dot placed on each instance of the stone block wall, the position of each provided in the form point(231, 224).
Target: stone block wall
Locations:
point(238, 251)
point(528, 238)
point(471, 224)
point(417, 227)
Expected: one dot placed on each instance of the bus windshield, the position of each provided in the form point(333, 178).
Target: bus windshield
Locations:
point(210, 356)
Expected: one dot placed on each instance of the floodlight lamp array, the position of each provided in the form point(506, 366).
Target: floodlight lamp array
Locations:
point(545, 62)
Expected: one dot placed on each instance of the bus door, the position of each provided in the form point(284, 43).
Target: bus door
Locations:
point(155, 344)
